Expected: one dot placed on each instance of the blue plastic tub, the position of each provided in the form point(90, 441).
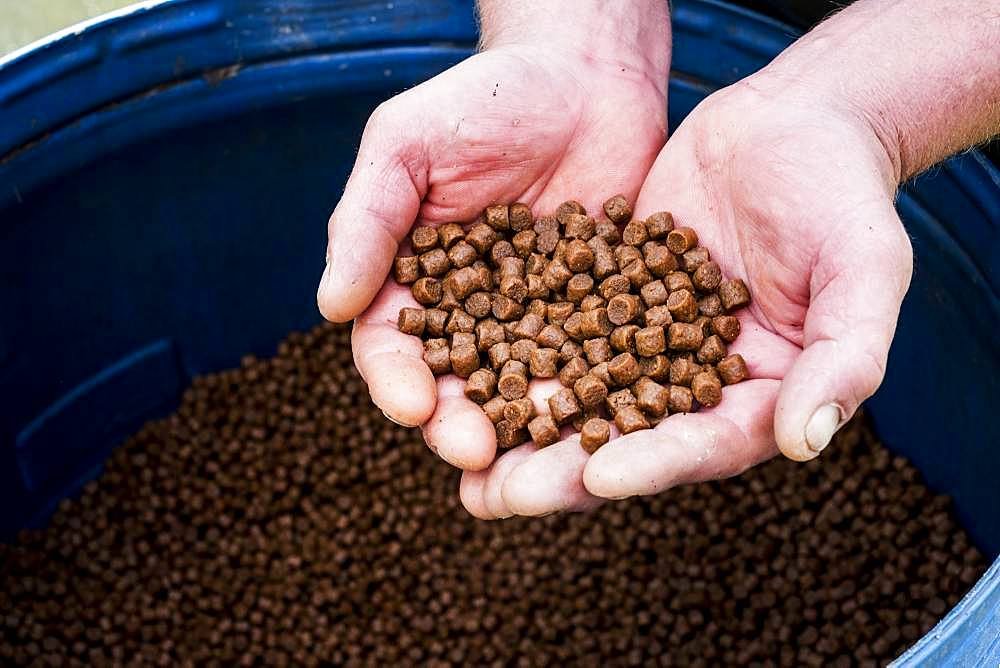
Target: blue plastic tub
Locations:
point(165, 178)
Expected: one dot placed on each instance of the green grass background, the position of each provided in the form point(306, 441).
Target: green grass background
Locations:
point(24, 21)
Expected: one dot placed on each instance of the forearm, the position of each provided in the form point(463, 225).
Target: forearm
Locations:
point(632, 35)
point(925, 74)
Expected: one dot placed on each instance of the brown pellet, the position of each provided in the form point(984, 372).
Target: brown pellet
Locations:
point(650, 341)
point(608, 232)
point(506, 309)
point(572, 371)
point(591, 302)
point(484, 274)
point(604, 264)
point(616, 284)
point(694, 259)
point(546, 242)
point(654, 293)
point(732, 369)
point(678, 280)
point(681, 239)
point(622, 338)
point(656, 367)
point(707, 277)
point(635, 233)
point(660, 224)
point(727, 327)
point(559, 312)
point(482, 237)
point(463, 282)
point(734, 294)
point(434, 263)
point(497, 217)
point(519, 412)
point(570, 350)
point(651, 397)
point(597, 350)
point(450, 234)
point(511, 384)
point(464, 360)
point(681, 399)
point(712, 350)
point(524, 243)
point(460, 321)
point(578, 226)
point(629, 419)
point(578, 288)
point(412, 321)
point(551, 336)
point(521, 350)
point(706, 389)
point(624, 308)
point(579, 256)
point(618, 400)
point(427, 291)
point(563, 406)
point(705, 323)
point(595, 323)
point(544, 363)
point(423, 239)
point(570, 206)
point(462, 254)
point(617, 209)
point(463, 339)
point(478, 304)
point(499, 354)
point(519, 217)
point(595, 433)
point(536, 287)
point(437, 356)
point(435, 320)
point(574, 326)
point(535, 264)
point(406, 269)
point(660, 261)
point(489, 333)
point(556, 275)
point(600, 371)
point(494, 409)
point(684, 336)
point(500, 250)
point(683, 371)
point(590, 390)
point(511, 266)
point(529, 326)
point(481, 385)
point(637, 273)
point(544, 431)
point(509, 435)
point(626, 255)
point(682, 306)
point(658, 316)
point(624, 369)
point(710, 306)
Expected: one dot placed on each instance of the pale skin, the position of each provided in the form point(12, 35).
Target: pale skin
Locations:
point(788, 177)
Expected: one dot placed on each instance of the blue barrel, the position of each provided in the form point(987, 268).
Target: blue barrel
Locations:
point(165, 177)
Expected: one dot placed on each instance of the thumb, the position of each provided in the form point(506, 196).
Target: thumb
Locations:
point(380, 203)
point(856, 289)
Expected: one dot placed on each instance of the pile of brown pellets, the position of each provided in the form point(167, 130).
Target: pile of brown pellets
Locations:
point(278, 519)
point(565, 295)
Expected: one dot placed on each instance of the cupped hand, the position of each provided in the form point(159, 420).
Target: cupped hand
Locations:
point(795, 196)
point(513, 123)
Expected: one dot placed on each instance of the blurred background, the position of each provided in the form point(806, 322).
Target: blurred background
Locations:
point(23, 22)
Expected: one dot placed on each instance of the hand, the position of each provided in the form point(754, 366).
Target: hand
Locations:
point(795, 196)
point(519, 122)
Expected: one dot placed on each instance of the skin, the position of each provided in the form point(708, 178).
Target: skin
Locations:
point(789, 178)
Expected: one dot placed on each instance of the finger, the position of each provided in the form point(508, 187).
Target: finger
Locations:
point(498, 472)
point(379, 205)
point(689, 447)
point(391, 362)
point(470, 492)
point(459, 431)
point(856, 290)
point(549, 480)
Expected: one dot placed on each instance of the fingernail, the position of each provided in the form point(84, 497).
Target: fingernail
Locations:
point(395, 421)
point(822, 426)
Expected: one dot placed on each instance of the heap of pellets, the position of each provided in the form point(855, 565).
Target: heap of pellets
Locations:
point(277, 519)
point(634, 322)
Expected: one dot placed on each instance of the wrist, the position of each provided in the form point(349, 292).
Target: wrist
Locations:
point(629, 40)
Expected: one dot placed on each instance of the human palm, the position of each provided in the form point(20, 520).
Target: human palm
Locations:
point(797, 200)
point(505, 125)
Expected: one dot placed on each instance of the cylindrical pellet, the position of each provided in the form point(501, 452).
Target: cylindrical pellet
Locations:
point(499, 355)
point(712, 350)
point(570, 350)
point(506, 309)
point(508, 435)
point(435, 319)
point(519, 217)
point(597, 350)
point(613, 285)
point(578, 226)
point(544, 431)
point(622, 338)
point(529, 326)
point(637, 273)
point(659, 224)
point(462, 254)
point(656, 367)
point(434, 263)
point(619, 400)
point(617, 209)
point(681, 400)
point(551, 336)
point(683, 371)
point(681, 239)
point(727, 327)
point(437, 356)
point(524, 243)
point(734, 294)
point(406, 269)
point(481, 385)
point(654, 293)
point(707, 277)
point(494, 409)
point(423, 239)
point(464, 360)
point(684, 336)
point(595, 433)
point(732, 369)
point(706, 389)
point(595, 323)
point(459, 321)
point(544, 363)
point(624, 308)
point(482, 237)
point(427, 291)
point(695, 258)
point(660, 261)
point(590, 391)
point(558, 312)
point(488, 334)
point(521, 350)
point(590, 302)
point(635, 233)
point(710, 306)
point(412, 321)
point(682, 306)
point(624, 369)
point(651, 397)
point(579, 287)
point(572, 371)
point(563, 406)
point(579, 256)
point(497, 217)
point(658, 316)
point(650, 341)
point(519, 412)
point(629, 419)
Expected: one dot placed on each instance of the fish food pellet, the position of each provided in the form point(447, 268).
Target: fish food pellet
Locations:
point(680, 400)
point(509, 435)
point(595, 433)
point(519, 412)
point(563, 406)
point(604, 303)
point(629, 419)
point(277, 518)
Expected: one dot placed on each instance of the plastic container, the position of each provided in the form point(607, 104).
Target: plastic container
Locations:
point(166, 175)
